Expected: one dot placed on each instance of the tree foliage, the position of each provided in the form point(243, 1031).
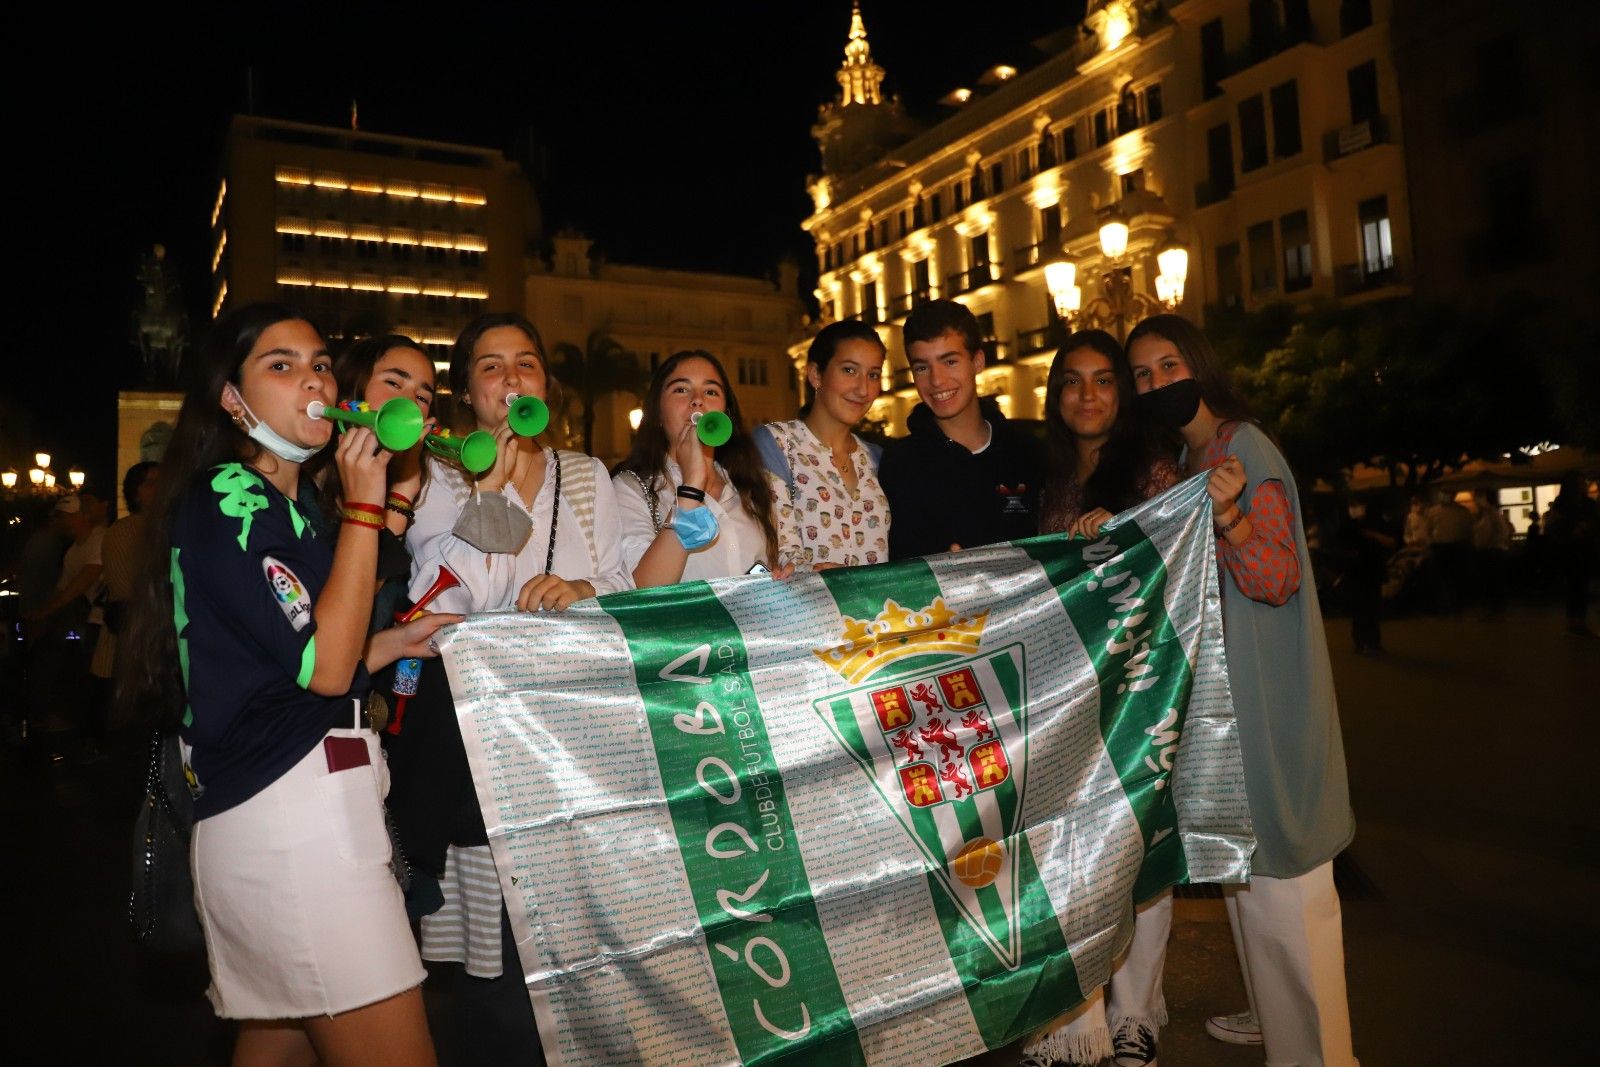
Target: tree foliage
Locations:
point(589, 374)
point(1413, 389)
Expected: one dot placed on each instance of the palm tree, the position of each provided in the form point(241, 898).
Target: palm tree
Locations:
point(588, 375)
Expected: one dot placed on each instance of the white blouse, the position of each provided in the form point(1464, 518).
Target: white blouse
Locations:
point(491, 581)
point(739, 542)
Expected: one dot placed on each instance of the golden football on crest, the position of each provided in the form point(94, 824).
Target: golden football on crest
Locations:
point(978, 864)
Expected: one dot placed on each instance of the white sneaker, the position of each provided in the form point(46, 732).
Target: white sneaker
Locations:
point(1241, 1028)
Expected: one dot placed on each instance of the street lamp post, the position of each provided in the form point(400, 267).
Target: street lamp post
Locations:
point(1119, 304)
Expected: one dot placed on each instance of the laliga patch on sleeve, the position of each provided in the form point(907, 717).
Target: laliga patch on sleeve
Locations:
point(293, 600)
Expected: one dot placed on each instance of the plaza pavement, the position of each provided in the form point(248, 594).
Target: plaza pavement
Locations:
point(1469, 892)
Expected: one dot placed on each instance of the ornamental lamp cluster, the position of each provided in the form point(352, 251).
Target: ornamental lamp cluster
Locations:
point(41, 478)
point(1119, 302)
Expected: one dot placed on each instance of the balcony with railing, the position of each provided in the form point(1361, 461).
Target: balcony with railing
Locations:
point(1355, 278)
point(1035, 255)
point(1356, 137)
point(974, 278)
point(900, 306)
point(996, 352)
point(1032, 342)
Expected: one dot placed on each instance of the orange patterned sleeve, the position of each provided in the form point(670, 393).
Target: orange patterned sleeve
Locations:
point(1266, 566)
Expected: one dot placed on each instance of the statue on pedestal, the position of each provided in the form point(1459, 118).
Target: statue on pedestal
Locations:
point(160, 326)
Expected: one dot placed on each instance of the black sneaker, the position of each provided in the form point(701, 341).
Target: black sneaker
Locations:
point(1133, 1045)
point(1039, 1059)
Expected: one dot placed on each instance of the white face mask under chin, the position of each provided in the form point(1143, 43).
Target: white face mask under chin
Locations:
point(270, 439)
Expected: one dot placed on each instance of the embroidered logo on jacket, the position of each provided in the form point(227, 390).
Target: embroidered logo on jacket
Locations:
point(293, 600)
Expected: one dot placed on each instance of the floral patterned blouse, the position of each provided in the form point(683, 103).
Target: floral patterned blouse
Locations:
point(819, 519)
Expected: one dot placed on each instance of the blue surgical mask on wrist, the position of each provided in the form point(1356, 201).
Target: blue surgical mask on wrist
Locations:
point(696, 528)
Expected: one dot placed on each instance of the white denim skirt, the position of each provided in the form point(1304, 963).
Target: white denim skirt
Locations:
point(301, 913)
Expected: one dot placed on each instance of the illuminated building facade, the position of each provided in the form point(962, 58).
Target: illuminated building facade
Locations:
point(1262, 137)
point(747, 323)
point(368, 231)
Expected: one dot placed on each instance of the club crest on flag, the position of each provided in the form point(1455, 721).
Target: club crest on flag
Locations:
point(940, 733)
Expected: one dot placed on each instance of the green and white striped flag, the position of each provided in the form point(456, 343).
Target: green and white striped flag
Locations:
point(888, 815)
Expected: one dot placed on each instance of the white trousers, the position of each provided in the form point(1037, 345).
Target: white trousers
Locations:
point(1289, 934)
point(1084, 1034)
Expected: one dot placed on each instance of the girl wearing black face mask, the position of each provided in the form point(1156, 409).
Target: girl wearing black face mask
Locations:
point(1286, 922)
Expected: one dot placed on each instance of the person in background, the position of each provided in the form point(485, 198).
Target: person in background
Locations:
point(1533, 551)
point(61, 630)
point(831, 511)
point(38, 570)
point(1287, 925)
point(1450, 535)
point(120, 553)
point(690, 511)
point(964, 476)
point(1491, 540)
point(1417, 525)
point(1572, 529)
point(1101, 462)
point(1365, 545)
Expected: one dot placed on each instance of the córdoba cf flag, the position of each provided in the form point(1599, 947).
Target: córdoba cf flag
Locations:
point(883, 815)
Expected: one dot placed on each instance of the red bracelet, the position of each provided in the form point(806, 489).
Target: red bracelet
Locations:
point(398, 498)
point(370, 509)
point(358, 519)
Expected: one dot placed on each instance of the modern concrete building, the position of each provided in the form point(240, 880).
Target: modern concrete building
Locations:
point(746, 323)
point(1256, 142)
point(369, 231)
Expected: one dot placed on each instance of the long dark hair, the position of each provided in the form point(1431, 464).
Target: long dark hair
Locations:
point(738, 457)
point(149, 681)
point(1129, 450)
point(1216, 385)
point(352, 371)
point(826, 344)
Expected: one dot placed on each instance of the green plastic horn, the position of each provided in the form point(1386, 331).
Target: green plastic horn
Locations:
point(475, 452)
point(529, 416)
point(398, 424)
point(713, 428)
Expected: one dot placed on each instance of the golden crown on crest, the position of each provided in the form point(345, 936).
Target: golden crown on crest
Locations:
point(895, 633)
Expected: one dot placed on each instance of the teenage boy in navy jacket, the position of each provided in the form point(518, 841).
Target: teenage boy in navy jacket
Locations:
point(964, 476)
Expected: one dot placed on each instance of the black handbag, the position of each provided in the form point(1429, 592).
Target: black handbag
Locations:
point(161, 903)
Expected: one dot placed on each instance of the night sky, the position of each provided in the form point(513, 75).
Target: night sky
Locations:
point(675, 135)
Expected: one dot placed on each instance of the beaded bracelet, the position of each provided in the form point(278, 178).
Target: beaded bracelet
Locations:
point(401, 509)
point(1237, 519)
